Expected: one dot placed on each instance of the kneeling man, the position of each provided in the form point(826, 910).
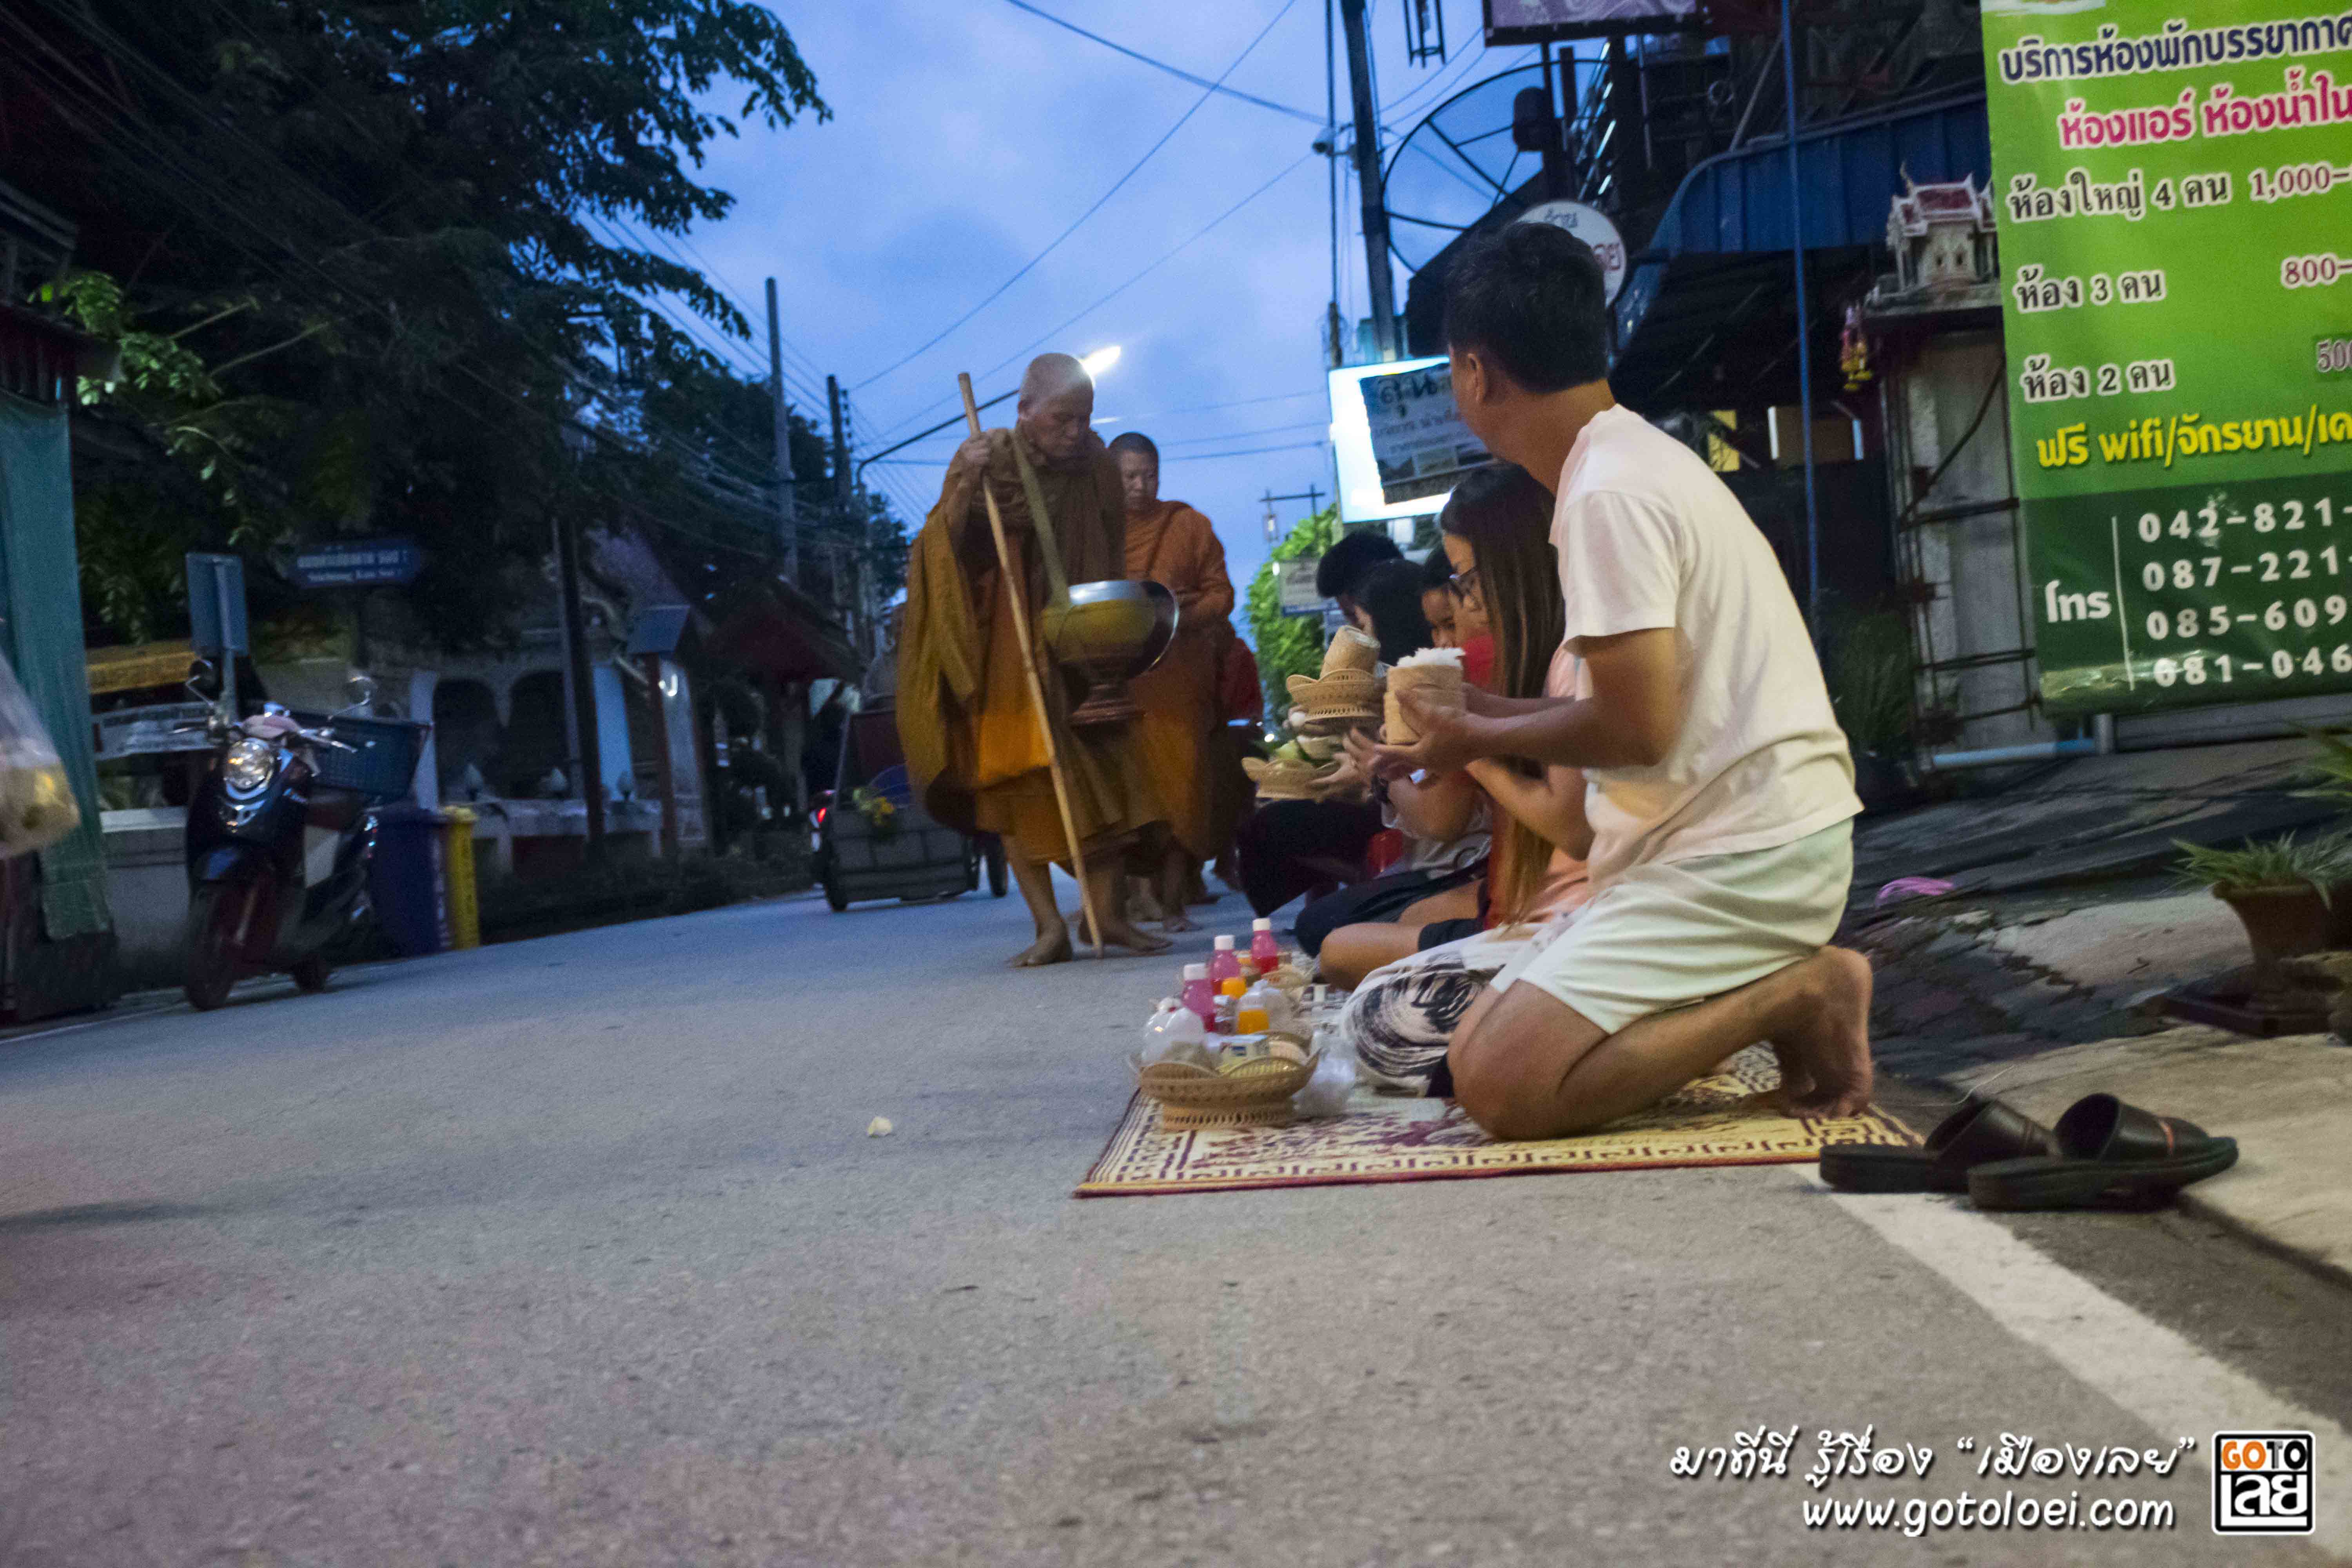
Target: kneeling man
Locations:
point(1720, 788)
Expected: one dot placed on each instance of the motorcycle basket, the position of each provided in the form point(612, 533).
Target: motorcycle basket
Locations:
point(381, 764)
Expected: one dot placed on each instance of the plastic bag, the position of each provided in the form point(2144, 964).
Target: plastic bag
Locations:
point(1334, 1079)
point(37, 802)
point(1175, 1034)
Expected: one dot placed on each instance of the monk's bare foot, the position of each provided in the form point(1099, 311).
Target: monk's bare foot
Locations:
point(1826, 1037)
point(1180, 922)
point(1126, 934)
point(1051, 947)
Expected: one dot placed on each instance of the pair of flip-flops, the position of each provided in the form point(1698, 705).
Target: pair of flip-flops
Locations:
point(2103, 1154)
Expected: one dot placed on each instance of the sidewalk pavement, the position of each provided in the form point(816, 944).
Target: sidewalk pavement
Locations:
point(2035, 980)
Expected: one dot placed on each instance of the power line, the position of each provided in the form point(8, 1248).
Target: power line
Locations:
point(1246, 435)
point(1099, 201)
point(1235, 403)
point(1249, 451)
point(1217, 86)
point(175, 177)
point(1171, 255)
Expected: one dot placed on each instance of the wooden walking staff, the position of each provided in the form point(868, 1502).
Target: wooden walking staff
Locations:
point(1036, 687)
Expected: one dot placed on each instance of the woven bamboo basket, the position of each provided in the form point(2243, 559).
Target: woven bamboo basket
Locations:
point(1440, 683)
point(1351, 650)
point(1284, 781)
point(1348, 694)
point(1255, 1094)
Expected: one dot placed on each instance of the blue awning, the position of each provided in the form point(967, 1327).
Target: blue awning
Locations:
point(1716, 272)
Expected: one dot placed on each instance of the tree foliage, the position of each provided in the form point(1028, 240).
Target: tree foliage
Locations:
point(379, 268)
point(1287, 645)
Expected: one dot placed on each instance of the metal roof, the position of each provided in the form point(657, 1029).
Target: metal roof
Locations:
point(1708, 304)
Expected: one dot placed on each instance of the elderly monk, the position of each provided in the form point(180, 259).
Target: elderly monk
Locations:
point(965, 713)
point(1169, 543)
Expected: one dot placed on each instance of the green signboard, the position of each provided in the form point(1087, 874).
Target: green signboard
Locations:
point(2173, 181)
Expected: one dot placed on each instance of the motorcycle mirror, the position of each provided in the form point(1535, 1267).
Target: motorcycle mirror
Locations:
point(361, 690)
point(204, 680)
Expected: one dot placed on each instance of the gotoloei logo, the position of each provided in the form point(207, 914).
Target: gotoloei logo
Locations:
point(2262, 1483)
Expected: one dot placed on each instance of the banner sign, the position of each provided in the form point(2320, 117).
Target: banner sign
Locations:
point(1420, 445)
point(1295, 585)
point(361, 563)
point(1513, 22)
point(2176, 240)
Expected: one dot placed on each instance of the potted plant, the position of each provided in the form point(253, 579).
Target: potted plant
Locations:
point(2329, 774)
point(2281, 890)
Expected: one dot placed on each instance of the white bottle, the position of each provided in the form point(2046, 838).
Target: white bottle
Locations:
point(1173, 1026)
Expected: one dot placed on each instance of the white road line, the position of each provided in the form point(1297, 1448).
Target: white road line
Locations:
point(2146, 1368)
point(109, 1016)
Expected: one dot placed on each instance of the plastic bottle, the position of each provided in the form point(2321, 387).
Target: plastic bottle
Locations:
point(1229, 998)
point(1224, 963)
point(1199, 994)
point(1264, 949)
point(1253, 1012)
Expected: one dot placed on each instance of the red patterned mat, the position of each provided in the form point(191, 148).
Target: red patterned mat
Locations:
point(1718, 1121)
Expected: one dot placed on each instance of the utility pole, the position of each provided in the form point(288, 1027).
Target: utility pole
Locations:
point(1804, 326)
point(786, 523)
point(843, 592)
point(587, 773)
point(1368, 181)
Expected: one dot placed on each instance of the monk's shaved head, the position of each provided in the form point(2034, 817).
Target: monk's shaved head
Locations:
point(1054, 375)
point(1057, 408)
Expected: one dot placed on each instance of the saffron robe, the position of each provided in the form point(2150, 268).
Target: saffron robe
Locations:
point(1180, 730)
point(966, 718)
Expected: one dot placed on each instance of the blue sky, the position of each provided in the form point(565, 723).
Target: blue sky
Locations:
point(965, 137)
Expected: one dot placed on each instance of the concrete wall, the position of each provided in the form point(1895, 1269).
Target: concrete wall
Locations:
point(147, 888)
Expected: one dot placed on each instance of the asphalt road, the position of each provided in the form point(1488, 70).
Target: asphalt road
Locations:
point(576, 1251)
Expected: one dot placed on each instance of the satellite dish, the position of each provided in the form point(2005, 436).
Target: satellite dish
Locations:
point(1463, 158)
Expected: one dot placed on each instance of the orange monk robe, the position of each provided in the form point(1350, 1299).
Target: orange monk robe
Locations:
point(1176, 547)
point(965, 715)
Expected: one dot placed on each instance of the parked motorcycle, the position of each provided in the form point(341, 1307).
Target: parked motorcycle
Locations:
point(281, 836)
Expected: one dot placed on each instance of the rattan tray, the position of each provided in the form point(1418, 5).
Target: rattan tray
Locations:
point(1256, 1094)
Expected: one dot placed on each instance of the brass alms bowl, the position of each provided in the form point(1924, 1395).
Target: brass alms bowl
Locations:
point(1109, 633)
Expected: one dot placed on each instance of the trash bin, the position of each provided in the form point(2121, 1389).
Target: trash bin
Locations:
point(407, 882)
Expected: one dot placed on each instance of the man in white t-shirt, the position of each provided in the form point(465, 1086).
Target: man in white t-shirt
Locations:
point(1720, 788)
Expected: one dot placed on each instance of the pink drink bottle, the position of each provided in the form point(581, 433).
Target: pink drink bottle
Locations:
point(1224, 963)
point(1199, 996)
point(1265, 950)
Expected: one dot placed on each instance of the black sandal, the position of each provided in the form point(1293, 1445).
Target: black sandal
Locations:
point(1979, 1131)
point(2110, 1154)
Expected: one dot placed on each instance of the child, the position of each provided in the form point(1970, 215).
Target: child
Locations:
point(1720, 790)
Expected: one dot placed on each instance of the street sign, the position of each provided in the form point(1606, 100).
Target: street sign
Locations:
point(1591, 226)
point(1511, 22)
point(360, 563)
point(215, 605)
point(2181, 424)
point(148, 730)
point(1295, 582)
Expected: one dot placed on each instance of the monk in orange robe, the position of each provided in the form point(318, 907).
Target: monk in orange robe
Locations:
point(966, 717)
point(1169, 543)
